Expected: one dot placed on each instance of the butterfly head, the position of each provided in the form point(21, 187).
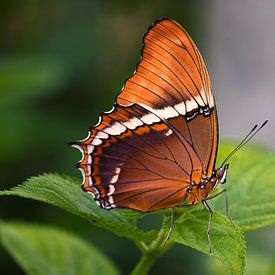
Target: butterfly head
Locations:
point(221, 174)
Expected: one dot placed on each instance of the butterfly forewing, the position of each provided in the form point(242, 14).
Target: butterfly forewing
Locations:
point(162, 132)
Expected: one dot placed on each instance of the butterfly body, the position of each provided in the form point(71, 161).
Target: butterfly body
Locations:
point(199, 192)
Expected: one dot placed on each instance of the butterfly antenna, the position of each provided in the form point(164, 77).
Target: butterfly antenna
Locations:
point(246, 139)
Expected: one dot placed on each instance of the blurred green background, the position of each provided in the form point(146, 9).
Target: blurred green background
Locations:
point(61, 63)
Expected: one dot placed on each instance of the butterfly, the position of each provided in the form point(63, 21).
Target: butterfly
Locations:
point(157, 147)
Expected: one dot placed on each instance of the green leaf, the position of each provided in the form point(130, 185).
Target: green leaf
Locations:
point(257, 263)
point(65, 193)
point(227, 241)
point(251, 187)
point(42, 250)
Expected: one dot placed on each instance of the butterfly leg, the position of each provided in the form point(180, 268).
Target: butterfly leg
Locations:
point(208, 208)
point(172, 221)
point(171, 226)
point(226, 204)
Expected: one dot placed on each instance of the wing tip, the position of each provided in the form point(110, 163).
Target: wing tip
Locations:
point(159, 20)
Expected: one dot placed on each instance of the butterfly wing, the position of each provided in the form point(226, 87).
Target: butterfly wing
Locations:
point(161, 134)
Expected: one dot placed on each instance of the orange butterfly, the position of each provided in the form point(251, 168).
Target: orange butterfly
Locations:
point(157, 147)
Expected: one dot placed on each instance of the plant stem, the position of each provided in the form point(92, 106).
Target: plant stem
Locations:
point(151, 252)
point(145, 263)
